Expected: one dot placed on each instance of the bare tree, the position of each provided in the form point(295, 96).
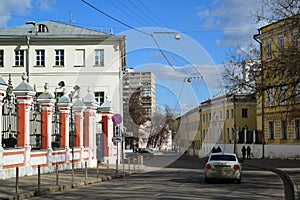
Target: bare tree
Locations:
point(133, 112)
point(275, 10)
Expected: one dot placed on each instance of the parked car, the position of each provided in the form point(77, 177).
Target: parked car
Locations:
point(223, 166)
point(145, 152)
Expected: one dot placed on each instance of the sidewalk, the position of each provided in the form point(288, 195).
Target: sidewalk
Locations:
point(28, 185)
point(287, 169)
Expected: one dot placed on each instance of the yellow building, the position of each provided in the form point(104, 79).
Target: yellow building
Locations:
point(225, 120)
point(279, 84)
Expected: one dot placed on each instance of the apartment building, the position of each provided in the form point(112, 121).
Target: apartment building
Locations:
point(144, 83)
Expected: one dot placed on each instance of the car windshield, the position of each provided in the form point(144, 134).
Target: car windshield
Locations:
point(223, 157)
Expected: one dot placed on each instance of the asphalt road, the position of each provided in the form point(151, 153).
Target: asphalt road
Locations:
point(182, 179)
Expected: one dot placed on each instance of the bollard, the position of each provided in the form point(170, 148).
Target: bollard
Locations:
point(107, 167)
point(86, 170)
point(129, 165)
point(56, 174)
point(73, 174)
point(39, 177)
point(97, 169)
point(17, 180)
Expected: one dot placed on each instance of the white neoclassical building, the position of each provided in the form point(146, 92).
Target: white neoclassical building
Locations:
point(52, 52)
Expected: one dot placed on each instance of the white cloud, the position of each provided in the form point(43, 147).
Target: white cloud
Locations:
point(233, 17)
point(13, 7)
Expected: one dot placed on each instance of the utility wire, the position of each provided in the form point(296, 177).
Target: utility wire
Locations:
point(135, 16)
point(115, 19)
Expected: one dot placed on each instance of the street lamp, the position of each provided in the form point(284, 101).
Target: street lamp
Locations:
point(177, 35)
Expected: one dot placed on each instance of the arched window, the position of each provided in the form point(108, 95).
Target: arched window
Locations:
point(42, 28)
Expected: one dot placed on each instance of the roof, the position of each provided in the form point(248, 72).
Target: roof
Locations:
point(53, 29)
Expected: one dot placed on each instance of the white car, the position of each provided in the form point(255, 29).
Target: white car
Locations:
point(223, 166)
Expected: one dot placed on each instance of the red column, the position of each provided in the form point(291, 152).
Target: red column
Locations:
point(46, 126)
point(24, 94)
point(89, 126)
point(23, 106)
point(78, 126)
point(64, 113)
point(108, 131)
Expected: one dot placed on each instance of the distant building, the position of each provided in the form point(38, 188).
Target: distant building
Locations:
point(145, 83)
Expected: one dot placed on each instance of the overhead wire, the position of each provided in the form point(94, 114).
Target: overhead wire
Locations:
point(144, 13)
point(153, 38)
point(132, 13)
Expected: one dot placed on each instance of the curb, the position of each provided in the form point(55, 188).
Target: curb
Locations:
point(289, 187)
point(53, 189)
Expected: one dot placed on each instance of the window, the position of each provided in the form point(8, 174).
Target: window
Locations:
point(280, 46)
point(59, 57)
point(79, 57)
point(269, 50)
point(244, 113)
point(297, 129)
point(99, 57)
point(42, 28)
point(19, 58)
point(295, 37)
point(1, 58)
point(296, 93)
point(221, 115)
point(227, 114)
point(270, 97)
point(99, 97)
point(209, 116)
point(232, 113)
point(271, 130)
point(283, 129)
point(203, 116)
point(282, 95)
point(40, 57)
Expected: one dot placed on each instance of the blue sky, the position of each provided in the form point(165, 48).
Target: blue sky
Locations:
point(208, 29)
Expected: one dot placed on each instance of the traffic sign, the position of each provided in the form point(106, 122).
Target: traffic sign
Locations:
point(117, 119)
point(116, 139)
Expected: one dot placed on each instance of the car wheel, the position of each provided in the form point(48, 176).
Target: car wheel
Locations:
point(238, 181)
point(207, 180)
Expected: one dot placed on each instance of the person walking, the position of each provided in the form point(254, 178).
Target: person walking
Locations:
point(244, 152)
point(248, 152)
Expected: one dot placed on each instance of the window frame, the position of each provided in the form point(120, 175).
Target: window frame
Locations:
point(280, 46)
point(1, 57)
point(59, 57)
point(20, 58)
point(297, 129)
point(270, 97)
point(245, 113)
point(99, 59)
point(82, 52)
point(40, 60)
point(271, 129)
point(284, 129)
point(269, 50)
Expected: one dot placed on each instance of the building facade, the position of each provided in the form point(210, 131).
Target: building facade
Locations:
point(65, 124)
point(52, 52)
point(279, 86)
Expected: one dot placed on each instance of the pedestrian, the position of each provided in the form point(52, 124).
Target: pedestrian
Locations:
point(213, 150)
point(244, 152)
point(219, 149)
point(248, 152)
